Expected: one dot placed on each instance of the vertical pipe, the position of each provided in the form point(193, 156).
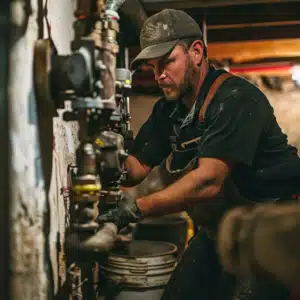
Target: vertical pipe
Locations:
point(126, 57)
point(108, 76)
point(121, 54)
point(4, 157)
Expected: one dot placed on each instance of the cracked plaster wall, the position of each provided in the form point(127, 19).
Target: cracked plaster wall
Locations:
point(37, 233)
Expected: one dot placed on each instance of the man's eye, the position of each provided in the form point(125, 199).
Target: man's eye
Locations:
point(168, 62)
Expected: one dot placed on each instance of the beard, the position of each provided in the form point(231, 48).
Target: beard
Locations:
point(176, 92)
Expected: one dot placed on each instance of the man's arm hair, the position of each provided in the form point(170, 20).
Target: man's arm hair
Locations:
point(136, 171)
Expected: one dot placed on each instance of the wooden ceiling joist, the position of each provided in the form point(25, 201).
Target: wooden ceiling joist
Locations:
point(239, 52)
point(253, 25)
point(183, 4)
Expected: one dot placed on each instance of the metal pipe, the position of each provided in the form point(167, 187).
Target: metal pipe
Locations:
point(134, 10)
point(92, 73)
point(114, 5)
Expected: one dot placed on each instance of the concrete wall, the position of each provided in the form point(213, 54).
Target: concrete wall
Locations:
point(286, 105)
point(38, 208)
point(140, 108)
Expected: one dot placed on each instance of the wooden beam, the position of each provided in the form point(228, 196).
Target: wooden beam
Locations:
point(183, 4)
point(253, 25)
point(255, 13)
point(246, 51)
point(239, 14)
point(253, 33)
point(271, 69)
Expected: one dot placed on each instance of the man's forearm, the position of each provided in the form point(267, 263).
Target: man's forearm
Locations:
point(178, 196)
point(199, 185)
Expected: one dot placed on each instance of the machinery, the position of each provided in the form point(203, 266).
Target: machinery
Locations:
point(98, 97)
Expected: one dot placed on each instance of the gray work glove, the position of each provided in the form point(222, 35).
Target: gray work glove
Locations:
point(126, 212)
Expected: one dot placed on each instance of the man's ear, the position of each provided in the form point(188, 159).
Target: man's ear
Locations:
point(197, 51)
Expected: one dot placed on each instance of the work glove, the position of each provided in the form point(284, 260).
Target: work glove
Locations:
point(126, 212)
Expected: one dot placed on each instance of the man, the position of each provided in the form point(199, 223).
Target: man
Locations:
point(211, 127)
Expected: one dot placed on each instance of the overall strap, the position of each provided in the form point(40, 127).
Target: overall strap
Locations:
point(211, 93)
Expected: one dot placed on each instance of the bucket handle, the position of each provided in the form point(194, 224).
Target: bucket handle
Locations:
point(142, 271)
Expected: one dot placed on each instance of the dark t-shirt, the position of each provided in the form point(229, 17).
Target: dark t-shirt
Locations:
point(239, 128)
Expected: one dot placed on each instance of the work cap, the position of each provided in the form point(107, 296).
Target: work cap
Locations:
point(162, 31)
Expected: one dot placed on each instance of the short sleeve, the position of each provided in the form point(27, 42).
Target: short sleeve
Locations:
point(234, 128)
point(151, 145)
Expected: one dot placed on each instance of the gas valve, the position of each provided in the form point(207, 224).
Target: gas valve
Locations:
point(87, 79)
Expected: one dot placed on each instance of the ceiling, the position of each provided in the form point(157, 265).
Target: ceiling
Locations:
point(237, 31)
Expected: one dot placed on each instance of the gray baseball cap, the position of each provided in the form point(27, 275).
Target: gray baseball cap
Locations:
point(162, 31)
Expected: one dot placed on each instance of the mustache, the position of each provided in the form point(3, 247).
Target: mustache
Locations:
point(165, 85)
